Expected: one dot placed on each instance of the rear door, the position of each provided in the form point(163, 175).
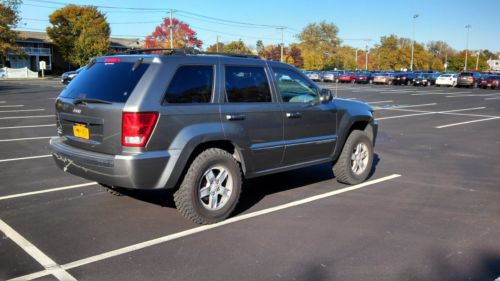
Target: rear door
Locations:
point(250, 114)
point(89, 109)
point(310, 127)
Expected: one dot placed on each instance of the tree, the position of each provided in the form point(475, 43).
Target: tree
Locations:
point(291, 55)
point(393, 53)
point(8, 20)
point(237, 47)
point(80, 33)
point(213, 47)
point(259, 46)
point(184, 36)
point(440, 50)
point(318, 44)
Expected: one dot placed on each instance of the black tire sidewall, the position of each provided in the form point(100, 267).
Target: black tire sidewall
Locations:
point(349, 147)
point(233, 169)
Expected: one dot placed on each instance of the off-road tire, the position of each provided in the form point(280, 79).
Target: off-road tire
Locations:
point(186, 198)
point(342, 168)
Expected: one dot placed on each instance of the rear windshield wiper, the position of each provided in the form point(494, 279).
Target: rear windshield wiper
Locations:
point(84, 100)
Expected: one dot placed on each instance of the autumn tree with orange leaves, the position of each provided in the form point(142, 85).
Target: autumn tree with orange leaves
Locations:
point(184, 36)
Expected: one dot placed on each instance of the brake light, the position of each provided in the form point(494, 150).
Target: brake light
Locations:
point(470, 78)
point(137, 127)
point(112, 60)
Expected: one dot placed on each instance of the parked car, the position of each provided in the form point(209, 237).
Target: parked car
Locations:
point(447, 79)
point(347, 77)
point(400, 78)
point(363, 77)
point(423, 79)
point(468, 79)
point(66, 77)
point(152, 121)
point(315, 76)
point(493, 82)
point(330, 76)
point(383, 78)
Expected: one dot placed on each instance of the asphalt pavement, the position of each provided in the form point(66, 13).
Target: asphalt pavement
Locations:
point(429, 211)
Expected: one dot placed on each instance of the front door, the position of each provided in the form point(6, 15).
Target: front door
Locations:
point(310, 126)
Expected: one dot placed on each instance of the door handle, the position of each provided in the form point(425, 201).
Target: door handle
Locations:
point(293, 115)
point(235, 117)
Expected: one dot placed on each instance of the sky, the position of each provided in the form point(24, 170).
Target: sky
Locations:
point(362, 19)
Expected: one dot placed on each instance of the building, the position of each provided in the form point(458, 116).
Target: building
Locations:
point(494, 65)
point(39, 47)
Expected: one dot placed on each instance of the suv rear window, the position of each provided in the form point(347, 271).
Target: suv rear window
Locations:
point(111, 82)
point(247, 84)
point(191, 84)
point(466, 74)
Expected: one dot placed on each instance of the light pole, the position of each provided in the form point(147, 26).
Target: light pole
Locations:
point(356, 59)
point(466, 45)
point(366, 57)
point(415, 16)
point(477, 59)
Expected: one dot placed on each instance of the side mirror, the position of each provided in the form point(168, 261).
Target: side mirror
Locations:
point(325, 96)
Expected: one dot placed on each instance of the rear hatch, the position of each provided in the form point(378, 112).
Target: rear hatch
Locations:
point(89, 109)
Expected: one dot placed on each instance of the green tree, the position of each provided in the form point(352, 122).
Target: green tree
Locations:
point(8, 20)
point(213, 47)
point(237, 47)
point(259, 46)
point(80, 33)
point(318, 44)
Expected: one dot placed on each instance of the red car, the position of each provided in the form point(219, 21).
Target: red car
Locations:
point(347, 77)
point(492, 81)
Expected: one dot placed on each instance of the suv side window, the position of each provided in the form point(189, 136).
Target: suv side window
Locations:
point(191, 84)
point(247, 84)
point(293, 87)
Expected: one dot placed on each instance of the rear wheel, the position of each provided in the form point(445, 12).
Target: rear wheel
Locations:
point(356, 159)
point(211, 187)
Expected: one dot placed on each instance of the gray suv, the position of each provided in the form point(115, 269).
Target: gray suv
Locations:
point(200, 123)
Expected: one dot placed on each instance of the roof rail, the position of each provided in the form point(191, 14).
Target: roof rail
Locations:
point(182, 51)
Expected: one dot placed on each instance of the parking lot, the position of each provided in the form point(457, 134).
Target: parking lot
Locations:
point(429, 211)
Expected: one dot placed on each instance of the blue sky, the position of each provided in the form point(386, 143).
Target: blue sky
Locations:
point(438, 20)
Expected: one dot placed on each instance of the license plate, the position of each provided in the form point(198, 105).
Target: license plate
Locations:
point(80, 131)
point(489, 85)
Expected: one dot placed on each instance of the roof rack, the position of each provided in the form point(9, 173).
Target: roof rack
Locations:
point(182, 51)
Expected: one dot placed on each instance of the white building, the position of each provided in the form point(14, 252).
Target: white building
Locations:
point(494, 65)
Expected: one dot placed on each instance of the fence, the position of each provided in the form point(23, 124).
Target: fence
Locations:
point(17, 73)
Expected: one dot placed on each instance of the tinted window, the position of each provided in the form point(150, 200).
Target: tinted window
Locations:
point(191, 84)
point(110, 82)
point(293, 87)
point(247, 84)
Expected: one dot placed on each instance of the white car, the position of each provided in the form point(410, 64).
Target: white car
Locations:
point(447, 80)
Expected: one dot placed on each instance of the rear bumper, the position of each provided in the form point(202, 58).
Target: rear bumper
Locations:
point(141, 171)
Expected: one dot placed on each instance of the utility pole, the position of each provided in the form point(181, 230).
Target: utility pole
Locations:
point(466, 45)
point(171, 30)
point(217, 44)
point(413, 41)
point(366, 57)
point(282, 28)
point(477, 59)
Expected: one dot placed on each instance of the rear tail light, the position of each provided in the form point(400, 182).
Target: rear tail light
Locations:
point(470, 78)
point(137, 127)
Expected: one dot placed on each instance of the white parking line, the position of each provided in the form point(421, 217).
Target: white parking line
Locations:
point(51, 267)
point(31, 126)
point(471, 95)
point(467, 122)
point(492, 98)
point(15, 105)
point(381, 101)
point(405, 106)
point(24, 117)
point(427, 112)
point(23, 139)
point(167, 238)
point(25, 158)
point(436, 93)
point(46, 190)
point(23, 110)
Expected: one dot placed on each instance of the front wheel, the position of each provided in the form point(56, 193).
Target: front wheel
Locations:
point(356, 159)
point(211, 187)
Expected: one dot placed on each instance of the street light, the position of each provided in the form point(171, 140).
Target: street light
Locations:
point(366, 57)
point(468, 27)
point(413, 41)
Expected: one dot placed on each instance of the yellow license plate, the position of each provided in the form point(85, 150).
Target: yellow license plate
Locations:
point(80, 131)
